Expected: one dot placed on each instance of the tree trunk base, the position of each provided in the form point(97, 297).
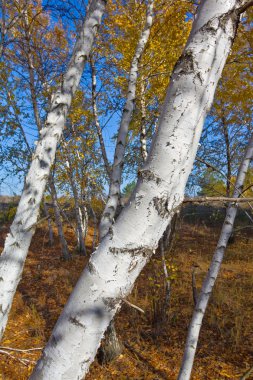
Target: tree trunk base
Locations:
point(111, 347)
point(81, 252)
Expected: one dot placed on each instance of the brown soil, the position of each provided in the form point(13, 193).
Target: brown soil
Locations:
point(153, 350)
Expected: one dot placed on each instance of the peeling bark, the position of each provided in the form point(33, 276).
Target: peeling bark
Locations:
point(115, 179)
point(206, 291)
point(18, 240)
point(143, 132)
point(122, 254)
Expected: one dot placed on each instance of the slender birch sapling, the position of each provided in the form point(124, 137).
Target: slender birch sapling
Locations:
point(96, 119)
point(116, 172)
point(206, 291)
point(57, 213)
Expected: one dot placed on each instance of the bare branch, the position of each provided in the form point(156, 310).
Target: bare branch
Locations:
point(133, 306)
point(217, 199)
point(245, 5)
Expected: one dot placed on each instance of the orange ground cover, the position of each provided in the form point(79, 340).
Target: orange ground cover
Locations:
point(151, 351)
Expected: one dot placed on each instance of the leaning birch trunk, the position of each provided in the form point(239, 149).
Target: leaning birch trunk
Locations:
point(64, 245)
point(122, 254)
point(22, 228)
point(116, 172)
point(206, 291)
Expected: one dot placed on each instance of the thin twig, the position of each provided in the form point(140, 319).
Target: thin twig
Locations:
point(217, 199)
point(21, 350)
point(23, 361)
point(225, 176)
point(36, 224)
point(134, 306)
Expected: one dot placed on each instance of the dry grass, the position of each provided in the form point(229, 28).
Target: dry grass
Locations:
point(225, 348)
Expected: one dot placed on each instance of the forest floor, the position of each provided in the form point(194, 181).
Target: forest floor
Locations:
point(152, 350)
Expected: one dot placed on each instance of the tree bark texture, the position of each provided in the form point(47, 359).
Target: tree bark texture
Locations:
point(21, 231)
point(204, 296)
point(143, 132)
point(115, 179)
point(122, 254)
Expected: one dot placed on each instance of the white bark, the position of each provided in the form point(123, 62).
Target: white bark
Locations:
point(206, 291)
point(114, 267)
point(80, 231)
point(64, 245)
point(85, 218)
point(19, 238)
point(143, 134)
point(97, 124)
point(94, 240)
point(115, 179)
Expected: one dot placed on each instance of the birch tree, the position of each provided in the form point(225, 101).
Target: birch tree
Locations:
point(96, 119)
point(121, 255)
point(80, 229)
point(229, 126)
point(112, 344)
point(23, 227)
point(64, 244)
point(207, 287)
point(143, 132)
point(167, 38)
point(116, 171)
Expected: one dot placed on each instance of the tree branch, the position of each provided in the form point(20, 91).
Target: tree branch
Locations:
point(217, 199)
point(245, 5)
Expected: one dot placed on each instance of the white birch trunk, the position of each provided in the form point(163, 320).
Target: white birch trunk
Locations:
point(85, 219)
point(21, 231)
point(143, 132)
point(64, 245)
point(80, 232)
point(115, 265)
point(115, 179)
point(206, 291)
point(94, 240)
point(95, 114)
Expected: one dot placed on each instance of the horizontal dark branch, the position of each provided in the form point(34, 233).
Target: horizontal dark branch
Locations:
point(216, 199)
